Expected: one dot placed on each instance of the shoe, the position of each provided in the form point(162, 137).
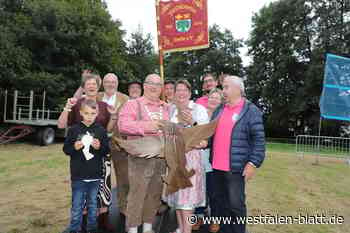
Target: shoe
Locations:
point(103, 222)
point(197, 225)
point(213, 228)
point(83, 224)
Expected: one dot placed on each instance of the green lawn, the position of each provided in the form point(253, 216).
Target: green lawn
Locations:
point(323, 151)
point(280, 147)
point(35, 192)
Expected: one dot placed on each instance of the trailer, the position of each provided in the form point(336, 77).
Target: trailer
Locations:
point(29, 115)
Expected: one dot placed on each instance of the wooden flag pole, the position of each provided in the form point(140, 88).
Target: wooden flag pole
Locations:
point(160, 49)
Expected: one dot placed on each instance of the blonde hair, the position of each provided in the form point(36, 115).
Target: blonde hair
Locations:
point(217, 90)
point(89, 103)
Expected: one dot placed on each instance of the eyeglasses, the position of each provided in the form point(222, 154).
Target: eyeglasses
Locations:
point(154, 84)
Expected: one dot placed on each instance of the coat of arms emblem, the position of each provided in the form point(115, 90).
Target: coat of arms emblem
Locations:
point(183, 22)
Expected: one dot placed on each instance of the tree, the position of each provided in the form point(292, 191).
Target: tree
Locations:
point(142, 59)
point(287, 43)
point(222, 56)
point(46, 44)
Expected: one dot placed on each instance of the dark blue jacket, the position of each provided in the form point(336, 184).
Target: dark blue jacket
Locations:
point(80, 167)
point(247, 139)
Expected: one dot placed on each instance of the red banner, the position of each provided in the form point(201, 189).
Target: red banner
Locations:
point(182, 25)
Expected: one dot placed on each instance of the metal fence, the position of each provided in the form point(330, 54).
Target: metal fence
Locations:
point(337, 147)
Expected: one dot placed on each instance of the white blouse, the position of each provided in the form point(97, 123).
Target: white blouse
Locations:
point(111, 100)
point(199, 113)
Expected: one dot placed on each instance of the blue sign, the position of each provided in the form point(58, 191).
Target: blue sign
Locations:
point(335, 98)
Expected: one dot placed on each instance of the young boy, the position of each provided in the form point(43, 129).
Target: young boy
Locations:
point(86, 144)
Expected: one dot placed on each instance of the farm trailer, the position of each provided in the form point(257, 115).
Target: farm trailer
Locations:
point(28, 119)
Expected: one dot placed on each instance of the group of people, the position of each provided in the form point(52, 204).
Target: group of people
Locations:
point(222, 164)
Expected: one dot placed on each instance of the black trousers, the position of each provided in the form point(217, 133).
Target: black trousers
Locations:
point(229, 188)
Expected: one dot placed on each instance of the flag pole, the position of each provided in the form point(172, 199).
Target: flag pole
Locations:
point(160, 49)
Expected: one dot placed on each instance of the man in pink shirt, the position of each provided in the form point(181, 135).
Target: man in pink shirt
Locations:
point(138, 118)
point(209, 83)
point(237, 149)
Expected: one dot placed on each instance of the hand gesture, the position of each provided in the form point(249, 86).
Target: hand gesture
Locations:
point(187, 116)
point(85, 72)
point(112, 110)
point(156, 125)
point(78, 145)
point(71, 102)
point(96, 144)
point(202, 144)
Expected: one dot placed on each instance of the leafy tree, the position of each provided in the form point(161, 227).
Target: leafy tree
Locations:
point(287, 44)
point(46, 44)
point(222, 56)
point(142, 59)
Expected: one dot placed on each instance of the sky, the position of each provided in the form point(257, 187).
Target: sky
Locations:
point(233, 15)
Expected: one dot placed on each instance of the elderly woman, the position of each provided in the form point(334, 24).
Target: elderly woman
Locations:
point(188, 114)
point(107, 118)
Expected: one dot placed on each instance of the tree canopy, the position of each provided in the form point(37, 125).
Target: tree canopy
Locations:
point(287, 43)
point(46, 44)
point(222, 56)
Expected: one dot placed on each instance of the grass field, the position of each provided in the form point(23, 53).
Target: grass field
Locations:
point(35, 193)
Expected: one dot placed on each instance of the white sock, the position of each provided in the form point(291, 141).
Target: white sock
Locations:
point(178, 230)
point(147, 227)
point(132, 230)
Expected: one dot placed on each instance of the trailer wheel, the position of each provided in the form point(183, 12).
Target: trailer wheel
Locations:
point(45, 136)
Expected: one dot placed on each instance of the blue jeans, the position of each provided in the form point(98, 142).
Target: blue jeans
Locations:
point(230, 189)
point(84, 191)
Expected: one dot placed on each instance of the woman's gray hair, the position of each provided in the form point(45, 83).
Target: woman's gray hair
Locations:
point(89, 76)
point(237, 81)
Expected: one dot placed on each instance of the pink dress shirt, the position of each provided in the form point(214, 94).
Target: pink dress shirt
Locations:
point(129, 123)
